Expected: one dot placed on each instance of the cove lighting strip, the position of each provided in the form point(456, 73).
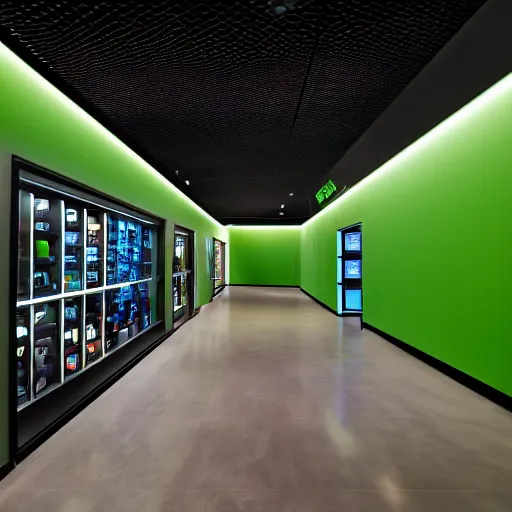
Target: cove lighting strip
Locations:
point(271, 227)
point(30, 75)
point(504, 86)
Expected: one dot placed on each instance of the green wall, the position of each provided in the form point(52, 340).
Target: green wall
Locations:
point(41, 125)
point(259, 255)
point(437, 241)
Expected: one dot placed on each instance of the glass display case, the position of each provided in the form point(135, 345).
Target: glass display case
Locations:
point(179, 275)
point(86, 284)
point(220, 263)
point(349, 270)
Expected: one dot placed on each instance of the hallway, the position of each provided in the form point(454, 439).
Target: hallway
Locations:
point(267, 402)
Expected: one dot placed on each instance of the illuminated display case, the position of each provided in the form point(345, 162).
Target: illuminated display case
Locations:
point(86, 282)
point(350, 270)
point(219, 263)
point(179, 275)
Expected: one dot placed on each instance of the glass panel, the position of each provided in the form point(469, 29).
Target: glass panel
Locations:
point(353, 300)
point(353, 269)
point(94, 251)
point(73, 247)
point(93, 327)
point(46, 347)
point(72, 336)
point(23, 354)
point(124, 250)
point(47, 246)
point(24, 245)
point(123, 319)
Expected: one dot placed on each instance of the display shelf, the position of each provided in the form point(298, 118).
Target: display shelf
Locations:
point(349, 270)
point(63, 292)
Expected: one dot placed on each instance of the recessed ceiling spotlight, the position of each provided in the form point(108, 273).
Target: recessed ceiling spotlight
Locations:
point(281, 213)
point(282, 206)
point(187, 182)
point(291, 194)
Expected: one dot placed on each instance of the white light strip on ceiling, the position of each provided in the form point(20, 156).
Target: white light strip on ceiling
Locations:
point(270, 227)
point(56, 95)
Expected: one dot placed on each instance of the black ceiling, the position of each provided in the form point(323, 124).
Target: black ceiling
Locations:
point(248, 100)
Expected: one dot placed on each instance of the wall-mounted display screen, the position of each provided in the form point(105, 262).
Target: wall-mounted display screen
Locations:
point(352, 269)
point(349, 270)
point(353, 242)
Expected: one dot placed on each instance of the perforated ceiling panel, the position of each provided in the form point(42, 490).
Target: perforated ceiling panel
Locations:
point(248, 100)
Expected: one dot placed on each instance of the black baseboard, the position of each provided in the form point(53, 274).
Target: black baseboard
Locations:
point(325, 306)
point(476, 385)
point(6, 469)
point(320, 303)
point(266, 285)
point(218, 290)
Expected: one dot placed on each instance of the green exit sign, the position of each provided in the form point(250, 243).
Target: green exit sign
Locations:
point(325, 192)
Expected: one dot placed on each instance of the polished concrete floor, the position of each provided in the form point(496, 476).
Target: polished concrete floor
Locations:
point(266, 402)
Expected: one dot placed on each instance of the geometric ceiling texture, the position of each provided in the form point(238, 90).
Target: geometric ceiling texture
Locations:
point(247, 100)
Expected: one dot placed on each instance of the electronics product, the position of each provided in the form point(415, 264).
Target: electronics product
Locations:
point(71, 216)
point(72, 237)
point(70, 258)
point(93, 224)
point(42, 226)
point(70, 313)
point(92, 277)
point(90, 332)
point(42, 249)
point(41, 206)
point(352, 269)
point(72, 280)
point(72, 362)
point(92, 254)
point(41, 280)
point(353, 241)
point(21, 331)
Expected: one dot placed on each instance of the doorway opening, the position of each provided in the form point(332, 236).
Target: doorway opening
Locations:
point(183, 275)
point(350, 270)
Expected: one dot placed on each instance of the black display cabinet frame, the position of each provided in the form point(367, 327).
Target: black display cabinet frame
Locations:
point(78, 377)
